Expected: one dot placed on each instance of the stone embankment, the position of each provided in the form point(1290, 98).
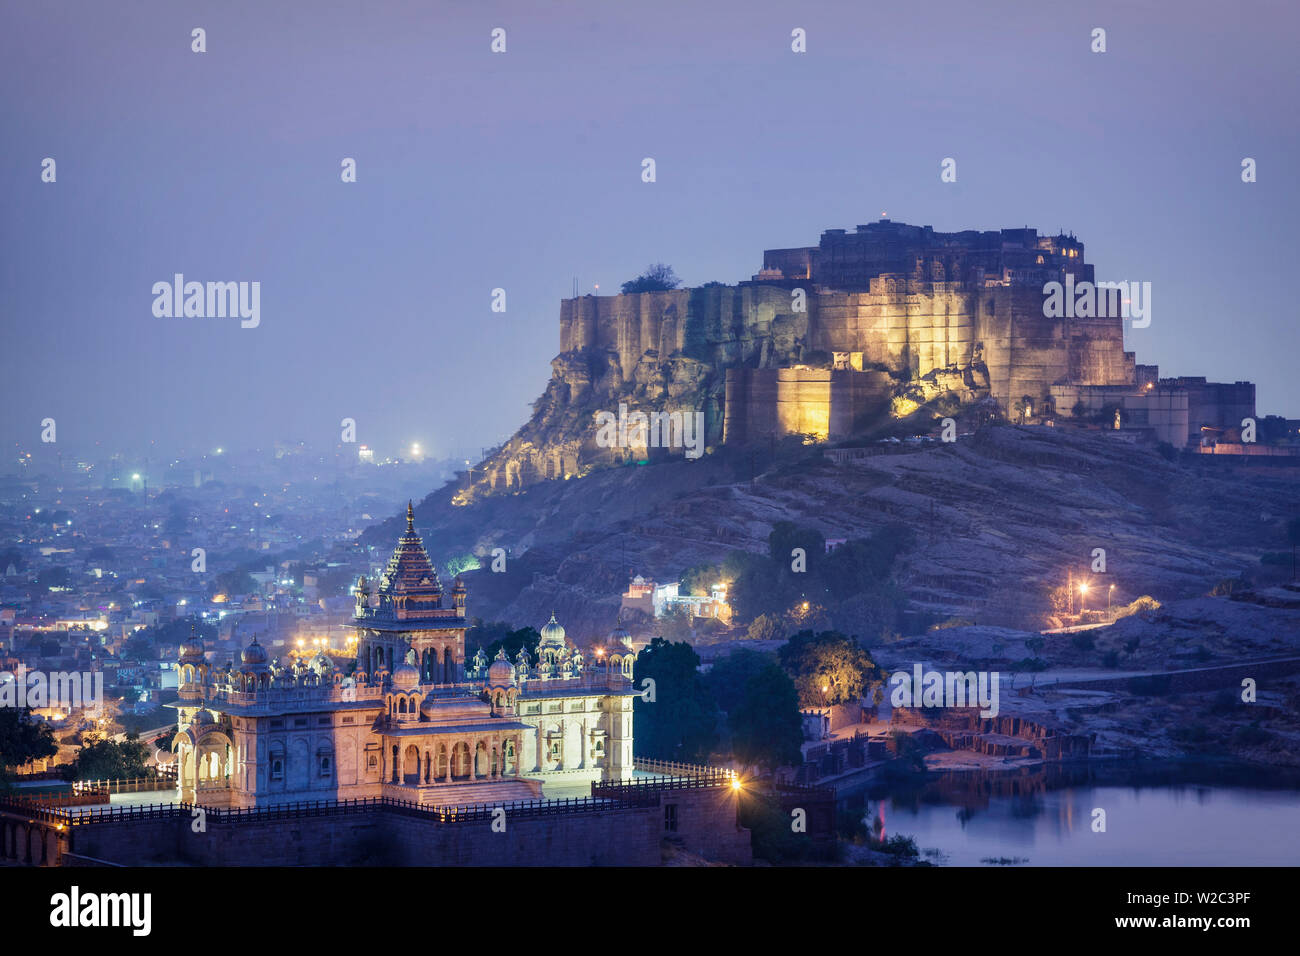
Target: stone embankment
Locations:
point(1001, 736)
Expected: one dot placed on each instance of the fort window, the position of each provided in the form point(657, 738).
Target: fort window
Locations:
point(670, 817)
point(300, 722)
point(277, 769)
point(324, 766)
point(277, 725)
point(323, 721)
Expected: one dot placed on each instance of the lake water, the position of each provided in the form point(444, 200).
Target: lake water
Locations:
point(1175, 816)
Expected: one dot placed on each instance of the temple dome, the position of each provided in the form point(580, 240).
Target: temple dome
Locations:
point(552, 632)
point(406, 677)
point(619, 638)
point(501, 672)
point(191, 649)
point(254, 655)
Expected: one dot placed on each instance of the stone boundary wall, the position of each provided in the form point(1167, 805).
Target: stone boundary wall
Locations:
point(626, 832)
point(615, 837)
point(1178, 682)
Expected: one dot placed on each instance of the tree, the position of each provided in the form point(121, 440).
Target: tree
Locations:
point(138, 647)
point(528, 637)
point(656, 278)
point(727, 677)
point(234, 583)
point(176, 632)
point(55, 577)
point(828, 668)
point(24, 739)
point(766, 729)
point(699, 579)
point(680, 723)
point(786, 536)
point(676, 623)
point(109, 760)
point(765, 627)
point(754, 588)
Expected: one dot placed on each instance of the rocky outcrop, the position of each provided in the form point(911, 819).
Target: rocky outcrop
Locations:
point(1002, 736)
point(899, 311)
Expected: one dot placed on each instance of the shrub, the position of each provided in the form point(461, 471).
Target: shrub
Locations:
point(1252, 735)
point(1145, 603)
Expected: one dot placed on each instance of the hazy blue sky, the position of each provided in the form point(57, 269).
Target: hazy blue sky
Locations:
point(522, 170)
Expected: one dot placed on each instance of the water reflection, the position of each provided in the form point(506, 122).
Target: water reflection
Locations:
point(1181, 814)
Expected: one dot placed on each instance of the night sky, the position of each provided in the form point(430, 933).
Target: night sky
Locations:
point(523, 170)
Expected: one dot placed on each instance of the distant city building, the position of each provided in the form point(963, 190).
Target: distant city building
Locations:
point(656, 600)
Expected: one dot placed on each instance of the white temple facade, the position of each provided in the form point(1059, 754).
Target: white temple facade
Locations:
point(406, 718)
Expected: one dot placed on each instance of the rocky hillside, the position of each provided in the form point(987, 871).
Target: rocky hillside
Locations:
point(998, 518)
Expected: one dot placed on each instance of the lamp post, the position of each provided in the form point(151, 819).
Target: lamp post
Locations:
point(1109, 592)
point(1083, 593)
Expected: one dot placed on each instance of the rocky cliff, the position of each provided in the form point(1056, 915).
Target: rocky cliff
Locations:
point(899, 311)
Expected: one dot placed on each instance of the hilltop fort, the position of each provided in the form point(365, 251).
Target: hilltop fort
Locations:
point(830, 340)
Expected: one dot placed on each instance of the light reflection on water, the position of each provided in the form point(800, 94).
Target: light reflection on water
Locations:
point(1047, 820)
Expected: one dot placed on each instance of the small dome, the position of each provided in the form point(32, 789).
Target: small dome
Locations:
point(203, 717)
point(552, 632)
point(191, 649)
point(406, 677)
point(254, 655)
point(501, 672)
point(619, 638)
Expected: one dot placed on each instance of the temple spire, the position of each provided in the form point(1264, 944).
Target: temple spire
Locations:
point(410, 518)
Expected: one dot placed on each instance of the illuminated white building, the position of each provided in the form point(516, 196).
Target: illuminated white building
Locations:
point(407, 718)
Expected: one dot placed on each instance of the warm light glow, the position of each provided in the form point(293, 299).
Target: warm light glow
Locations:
point(902, 407)
point(1083, 589)
point(735, 783)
